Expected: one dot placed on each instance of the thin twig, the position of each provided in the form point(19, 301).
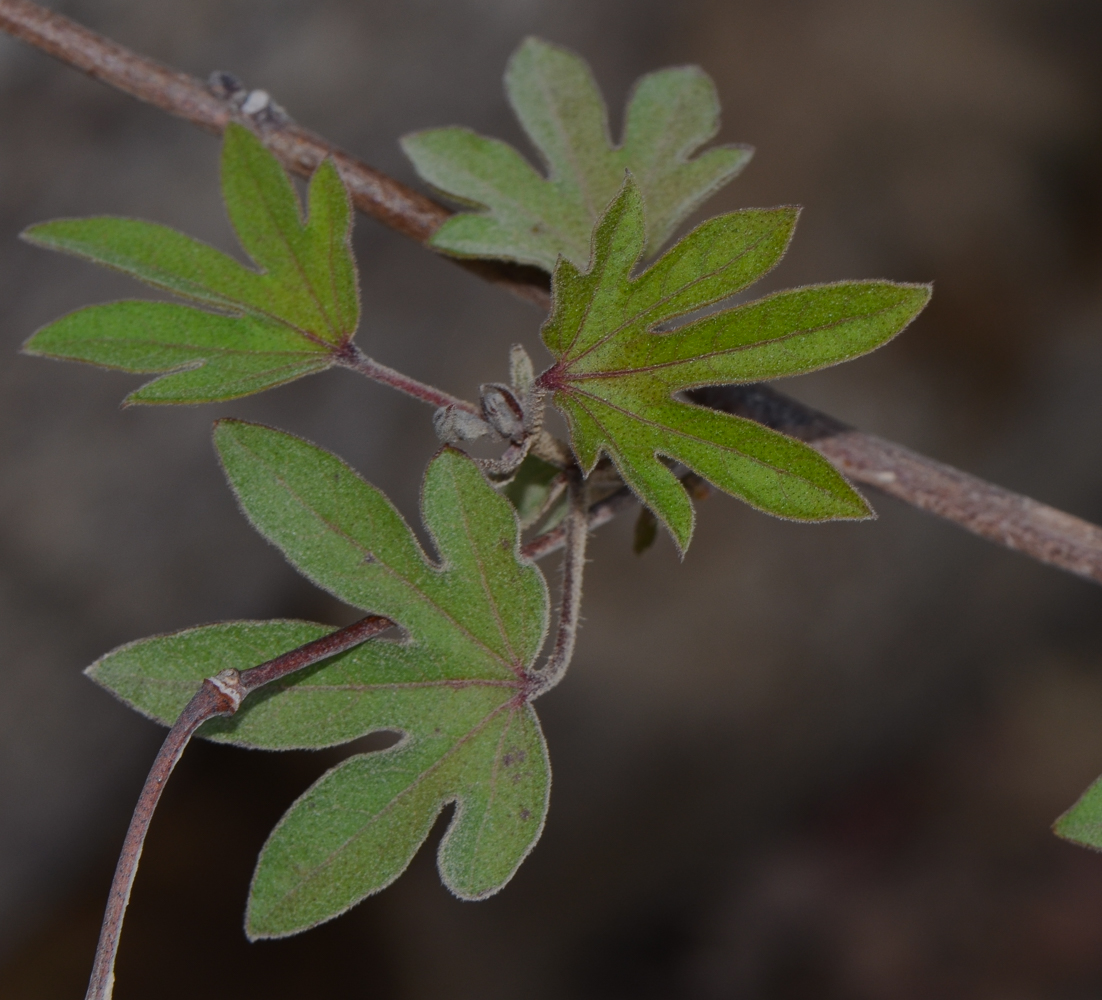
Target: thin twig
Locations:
point(220, 695)
point(599, 514)
point(209, 701)
point(1034, 529)
point(576, 531)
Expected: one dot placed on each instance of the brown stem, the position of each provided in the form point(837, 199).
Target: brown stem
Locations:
point(209, 701)
point(219, 695)
point(374, 193)
point(1042, 532)
point(576, 531)
point(1010, 519)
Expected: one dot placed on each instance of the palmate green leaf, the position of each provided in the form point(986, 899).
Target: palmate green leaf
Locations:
point(456, 688)
point(615, 375)
point(527, 218)
point(356, 830)
point(256, 328)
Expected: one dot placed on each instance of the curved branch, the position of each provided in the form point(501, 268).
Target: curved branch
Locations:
point(219, 695)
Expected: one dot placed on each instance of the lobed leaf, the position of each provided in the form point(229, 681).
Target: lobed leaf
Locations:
point(256, 328)
point(616, 375)
point(455, 688)
point(525, 217)
point(358, 827)
point(481, 604)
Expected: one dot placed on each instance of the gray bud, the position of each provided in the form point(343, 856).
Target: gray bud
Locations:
point(453, 424)
point(521, 372)
point(502, 410)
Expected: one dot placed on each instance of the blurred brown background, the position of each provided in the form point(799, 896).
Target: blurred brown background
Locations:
point(834, 776)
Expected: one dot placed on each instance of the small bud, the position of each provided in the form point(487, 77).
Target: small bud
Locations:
point(502, 410)
point(521, 372)
point(453, 424)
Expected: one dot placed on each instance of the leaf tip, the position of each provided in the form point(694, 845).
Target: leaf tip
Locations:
point(254, 933)
point(1082, 823)
point(680, 532)
point(533, 44)
point(236, 132)
point(258, 929)
point(916, 295)
point(225, 425)
point(33, 234)
point(1076, 830)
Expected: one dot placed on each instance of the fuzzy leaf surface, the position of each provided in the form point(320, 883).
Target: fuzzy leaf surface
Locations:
point(526, 217)
point(455, 687)
point(615, 374)
point(248, 329)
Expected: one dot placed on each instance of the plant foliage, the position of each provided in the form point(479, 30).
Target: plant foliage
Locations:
point(457, 687)
point(615, 374)
point(1082, 823)
point(256, 328)
point(532, 219)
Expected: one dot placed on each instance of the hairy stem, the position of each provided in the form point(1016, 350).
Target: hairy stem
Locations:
point(209, 701)
point(219, 695)
point(599, 514)
point(1006, 518)
point(353, 358)
point(575, 533)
